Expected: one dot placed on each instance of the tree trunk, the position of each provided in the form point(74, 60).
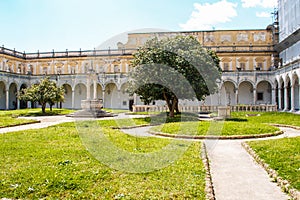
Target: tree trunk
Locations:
point(43, 108)
point(51, 107)
point(174, 104)
point(167, 101)
point(176, 107)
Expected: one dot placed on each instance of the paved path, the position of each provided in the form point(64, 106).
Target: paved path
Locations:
point(138, 132)
point(45, 122)
point(235, 175)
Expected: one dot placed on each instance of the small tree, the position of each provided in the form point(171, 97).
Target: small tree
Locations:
point(174, 68)
point(45, 92)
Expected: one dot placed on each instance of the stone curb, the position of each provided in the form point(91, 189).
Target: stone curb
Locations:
point(200, 137)
point(129, 127)
point(286, 126)
point(26, 123)
point(209, 188)
point(284, 184)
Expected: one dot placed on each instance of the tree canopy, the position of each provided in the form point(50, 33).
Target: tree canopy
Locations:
point(174, 68)
point(45, 92)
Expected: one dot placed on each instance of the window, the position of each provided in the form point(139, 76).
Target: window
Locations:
point(124, 103)
point(242, 66)
point(58, 70)
point(259, 66)
point(260, 96)
point(45, 70)
point(225, 67)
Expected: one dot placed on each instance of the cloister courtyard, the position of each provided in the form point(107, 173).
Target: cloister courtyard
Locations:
point(147, 155)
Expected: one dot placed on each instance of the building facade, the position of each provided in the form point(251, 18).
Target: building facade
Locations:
point(259, 67)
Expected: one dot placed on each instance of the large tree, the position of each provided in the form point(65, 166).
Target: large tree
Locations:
point(174, 68)
point(44, 92)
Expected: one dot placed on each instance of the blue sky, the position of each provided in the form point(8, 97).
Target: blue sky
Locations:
point(31, 25)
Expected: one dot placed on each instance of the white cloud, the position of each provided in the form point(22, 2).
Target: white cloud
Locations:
point(205, 16)
point(263, 14)
point(259, 3)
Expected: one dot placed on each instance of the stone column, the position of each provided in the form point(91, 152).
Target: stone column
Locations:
point(18, 103)
point(236, 96)
point(293, 98)
point(286, 98)
point(219, 97)
point(28, 104)
point(119, 98)
point(103, 97)
point(73, 98)
point(279, 98)
point(88, 88)
point(134, 99)
point(7, 99)
point(273, 96)
point(95, 89)
point(254, 96)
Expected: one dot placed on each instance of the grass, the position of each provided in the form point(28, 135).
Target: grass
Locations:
point(270, 117)
point(10, 117)
point(6, 121)
point(34, 112)
point(52, 163)
point(227, 128)
point(123, 123)
point(282, 155)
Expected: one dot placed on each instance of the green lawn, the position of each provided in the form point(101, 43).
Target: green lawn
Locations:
point(227, 128)
point(6, 121)
point(9, 118)
point(52, 163)
point(270, 117)
point(282, 155)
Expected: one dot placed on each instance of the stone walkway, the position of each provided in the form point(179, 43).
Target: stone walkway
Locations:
point(235, 175)
point(45, 121)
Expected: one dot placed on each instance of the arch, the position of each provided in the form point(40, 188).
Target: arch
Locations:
point(2, 95)
point(264, 92)
point(242, 81)
point(112, 98)
point(245, 93)
point(228, 91)
point(68, 96)
point(23, 104)
point(79, 94)
point(13, 103)
point(98, 90)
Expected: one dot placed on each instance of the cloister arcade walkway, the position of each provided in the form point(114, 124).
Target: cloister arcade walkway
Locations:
point(237, 88)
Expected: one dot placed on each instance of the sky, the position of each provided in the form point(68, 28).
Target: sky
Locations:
point(31, 25)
